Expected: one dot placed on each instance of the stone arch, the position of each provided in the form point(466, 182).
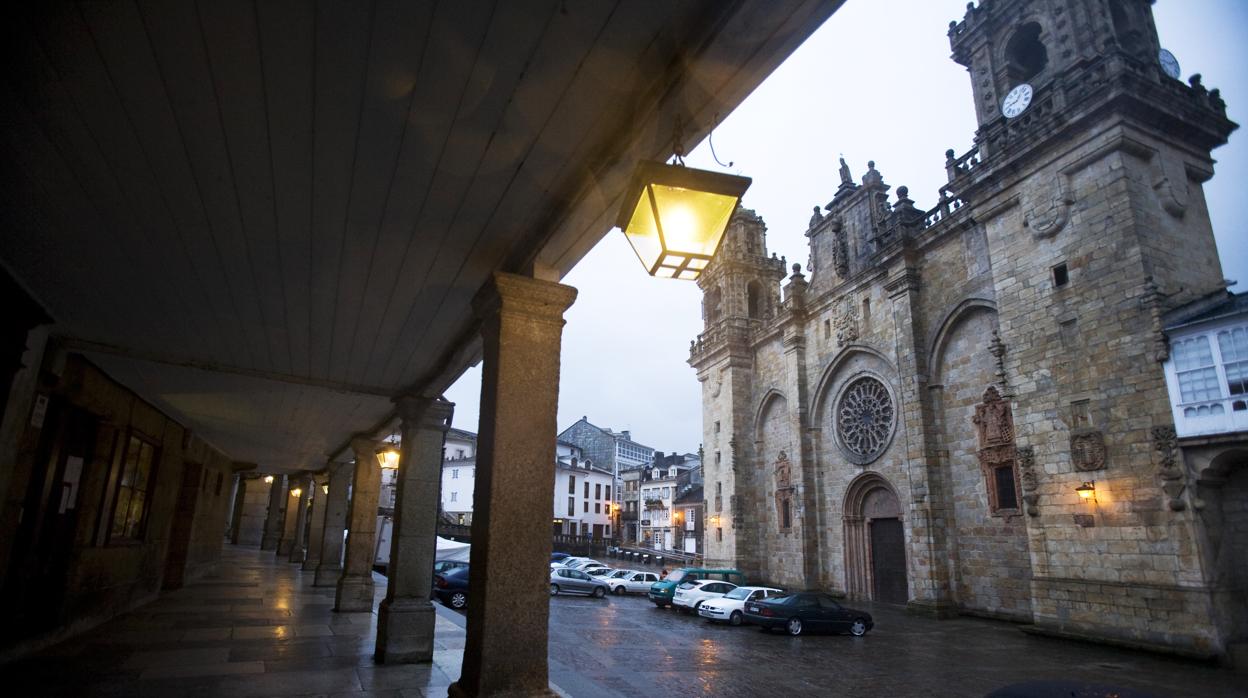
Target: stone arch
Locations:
point(764, 404)
point(755, 302)
point(875, 548)
point(831, 372)
point(940, 340)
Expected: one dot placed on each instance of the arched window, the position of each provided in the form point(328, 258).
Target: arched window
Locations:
point(712, 302)
point(754, 299)
point(1025, 55)
point(1126, 28)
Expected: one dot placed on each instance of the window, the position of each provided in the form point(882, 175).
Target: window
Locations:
point(587, 489)
point(597, 490)
point(716, 427)
point(719, 535)
point(1025, 55)
point(786, 517)
point(1003, 479)
point(1234, 347)
point(454, 496)
point(571, 506)
point(586, 503)
point(608, 531)
point(1061, 276)
point(608, 488)
point(690, 520)
point(134, 486)
point(1193, 363)
point(454, 473)
point(571, 484)
point(597, 507)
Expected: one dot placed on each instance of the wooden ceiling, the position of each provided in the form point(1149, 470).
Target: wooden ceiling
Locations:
point(269, 218)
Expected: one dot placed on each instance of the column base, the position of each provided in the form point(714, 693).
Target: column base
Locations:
point(296, 554)
point(941, 610)
point(327, 576)
point(268, 543)
point(404, 631)
point(355, 595)
point(459, 690)
point(310, 565)
point(283, 548)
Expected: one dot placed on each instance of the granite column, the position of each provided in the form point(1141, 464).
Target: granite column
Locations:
point(316, 528)
point(330, 567)
point(355, 587)
point(277, 508)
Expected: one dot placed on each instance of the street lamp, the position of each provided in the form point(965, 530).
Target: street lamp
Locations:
point(675, 216)
point(268, 479)
point(297, 492)
point(1087, 490)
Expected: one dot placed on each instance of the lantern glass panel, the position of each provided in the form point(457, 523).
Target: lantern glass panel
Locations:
point(643, 234)
point(693, 221)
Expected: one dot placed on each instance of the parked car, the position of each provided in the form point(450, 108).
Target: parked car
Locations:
point(559, 557)
point(689, 596)
point(620, 574)
point(599, 572)
point(731, 608)
point(451, 587)
point(634, 582)
point(566, 562)
point(803, 611)
point(570, 581)
point(662, 591)
point(582, 563)
point(447, 565)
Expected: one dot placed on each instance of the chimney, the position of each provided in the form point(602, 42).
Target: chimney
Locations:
point(628, 435)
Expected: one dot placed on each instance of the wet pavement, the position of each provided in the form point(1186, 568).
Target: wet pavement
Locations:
point(627, 646)
point(260, 629)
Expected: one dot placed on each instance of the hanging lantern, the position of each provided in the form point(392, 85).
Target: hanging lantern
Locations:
point(388, 456)
point(675, 216)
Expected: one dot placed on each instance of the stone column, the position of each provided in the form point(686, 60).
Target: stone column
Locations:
point(505, 652)
point(298, 542)
point(273, 519)
point(355, 587)
point(289, 517)
point(405, 618)
point(316, 531)
point(330, 567)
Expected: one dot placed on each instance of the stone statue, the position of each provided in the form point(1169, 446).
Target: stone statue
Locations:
point(846, 177)
point(815, 219)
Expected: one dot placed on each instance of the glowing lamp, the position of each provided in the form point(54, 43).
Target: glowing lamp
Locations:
point(388, 457)
point(675, 216)
point(297, 492)
point(1087, 490)
point(268, 479)
point(324, 489)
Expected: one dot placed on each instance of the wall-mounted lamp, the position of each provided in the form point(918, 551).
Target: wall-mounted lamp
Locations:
point(268, 479)
point(715, 520)
point(1087, 490)
point(324, 489)
point(297, 492)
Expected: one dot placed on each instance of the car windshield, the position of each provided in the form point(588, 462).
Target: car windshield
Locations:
point(688, 585)
point(675, 576)
point(620, 573)
point(739, 593)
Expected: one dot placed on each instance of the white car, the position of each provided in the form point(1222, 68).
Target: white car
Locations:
point(632, 583)
point(731, 607)
point(567, 562)
point(690, 595)
point(584, 562)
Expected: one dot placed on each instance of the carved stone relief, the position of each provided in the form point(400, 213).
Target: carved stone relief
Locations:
point(840, 251)
point(846, 322)
point(1031, 484)
point(1087, 449)
point(1165, 443)
point(783, 473)
point(994, 423)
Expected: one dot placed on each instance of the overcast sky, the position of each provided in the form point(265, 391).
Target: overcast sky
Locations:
point(874, 83)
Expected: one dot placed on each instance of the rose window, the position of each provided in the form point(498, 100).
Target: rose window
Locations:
point(864, 420)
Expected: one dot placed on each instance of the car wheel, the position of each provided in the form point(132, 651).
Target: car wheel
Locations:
point(858, 628)
point(599, 592)
point(618, 591)
point(459, 600)
point(735, 618)
point(554, 589)
point(697, 609)
point(794, 626)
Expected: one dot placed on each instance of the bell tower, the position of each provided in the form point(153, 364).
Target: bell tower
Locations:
point(740, 294)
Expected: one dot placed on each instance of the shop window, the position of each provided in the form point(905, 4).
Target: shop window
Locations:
point(134, 487)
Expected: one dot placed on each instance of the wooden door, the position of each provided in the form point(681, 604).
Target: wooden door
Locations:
point(888, 561)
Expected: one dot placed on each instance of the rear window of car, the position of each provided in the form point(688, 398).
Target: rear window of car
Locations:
point(738, 594)
point(676, 576)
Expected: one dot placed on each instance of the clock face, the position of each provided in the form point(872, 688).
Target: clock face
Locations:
point(1169, 64)
point(1017, 101)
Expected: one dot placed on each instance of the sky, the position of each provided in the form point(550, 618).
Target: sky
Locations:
point(875, 82)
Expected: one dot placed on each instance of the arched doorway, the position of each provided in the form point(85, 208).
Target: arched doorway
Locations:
point(875, 541)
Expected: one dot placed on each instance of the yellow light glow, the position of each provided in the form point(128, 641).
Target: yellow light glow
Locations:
point(325, 489)
point(297, 492)
point(1087, 490)
point(268, 479)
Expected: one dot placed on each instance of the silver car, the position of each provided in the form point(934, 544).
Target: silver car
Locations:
point(570, 581)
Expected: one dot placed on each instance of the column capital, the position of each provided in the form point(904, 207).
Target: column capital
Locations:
point(522, 295)
point(424, 412)
point(364, 448)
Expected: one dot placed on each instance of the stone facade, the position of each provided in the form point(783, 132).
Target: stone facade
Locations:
point(943, 381)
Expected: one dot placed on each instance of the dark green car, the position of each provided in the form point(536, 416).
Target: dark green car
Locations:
point(661, 592)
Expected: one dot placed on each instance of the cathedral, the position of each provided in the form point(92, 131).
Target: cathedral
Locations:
point(964, 409)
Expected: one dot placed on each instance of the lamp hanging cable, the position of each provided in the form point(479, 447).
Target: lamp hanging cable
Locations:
point(710, 139)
